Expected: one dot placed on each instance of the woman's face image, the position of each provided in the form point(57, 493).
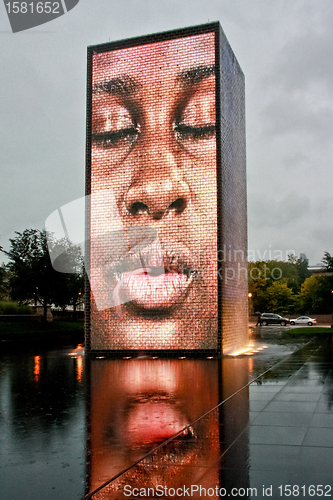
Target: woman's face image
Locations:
point(153, 146)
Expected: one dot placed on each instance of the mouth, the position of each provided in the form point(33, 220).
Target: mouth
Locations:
point(154, 292)
point(155, 419)
point(153, 278)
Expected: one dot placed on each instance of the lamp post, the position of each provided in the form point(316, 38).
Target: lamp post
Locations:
point(250, 303)
point(35, 297)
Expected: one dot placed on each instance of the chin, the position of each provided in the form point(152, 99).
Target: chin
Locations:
point(191, 325)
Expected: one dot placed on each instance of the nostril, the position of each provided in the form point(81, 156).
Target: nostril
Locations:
point(178, 205)
point(137, 207)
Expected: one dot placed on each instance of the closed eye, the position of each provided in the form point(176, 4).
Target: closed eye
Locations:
point(189, 132)
point(114, 122)
point(112, 138)
point(196, 120)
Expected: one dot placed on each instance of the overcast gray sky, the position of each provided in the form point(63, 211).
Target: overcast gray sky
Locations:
point(285, 49)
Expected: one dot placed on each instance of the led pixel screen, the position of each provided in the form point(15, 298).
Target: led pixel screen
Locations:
point(152, 164)
point(137, 404)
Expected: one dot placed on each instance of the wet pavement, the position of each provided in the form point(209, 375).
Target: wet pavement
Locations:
point(291, 434)
point(256, 425)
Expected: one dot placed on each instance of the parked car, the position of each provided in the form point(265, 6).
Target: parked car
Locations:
point(273, 319)
point(303, 320)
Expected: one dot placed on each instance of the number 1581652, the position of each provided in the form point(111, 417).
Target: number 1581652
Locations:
point(32, 8)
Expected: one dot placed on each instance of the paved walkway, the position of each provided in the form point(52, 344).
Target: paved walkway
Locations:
point(291, 424)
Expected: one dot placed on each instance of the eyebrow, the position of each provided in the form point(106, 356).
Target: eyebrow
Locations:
point(196, 75)
point(126, 86)
point(122, 86)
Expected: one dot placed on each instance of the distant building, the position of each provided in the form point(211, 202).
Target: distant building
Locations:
point(304, 257)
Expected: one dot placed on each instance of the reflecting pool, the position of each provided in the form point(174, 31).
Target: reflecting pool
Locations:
point(72, 428)
point(42, 423)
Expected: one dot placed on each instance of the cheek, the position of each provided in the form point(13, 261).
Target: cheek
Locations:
point(100, 170)
point(201, 177)
point(107, 159)
point(200, 148)
point(106, 173)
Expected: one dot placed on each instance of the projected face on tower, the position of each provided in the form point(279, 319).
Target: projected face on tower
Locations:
point(153, 220)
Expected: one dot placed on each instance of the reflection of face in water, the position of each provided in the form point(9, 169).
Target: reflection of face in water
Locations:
point(153, 143)
point(137, 404)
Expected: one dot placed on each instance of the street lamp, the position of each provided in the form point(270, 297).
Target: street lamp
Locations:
point(250, 304)
point(35, 296)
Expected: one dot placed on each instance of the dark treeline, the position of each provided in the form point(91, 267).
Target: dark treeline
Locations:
point(30, 278)
point(283, 287)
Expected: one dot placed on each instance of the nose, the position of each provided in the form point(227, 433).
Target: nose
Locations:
point(158, 191)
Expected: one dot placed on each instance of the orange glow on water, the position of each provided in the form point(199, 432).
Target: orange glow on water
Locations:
point(37, 368)
point(79, 368)
point(249, 350)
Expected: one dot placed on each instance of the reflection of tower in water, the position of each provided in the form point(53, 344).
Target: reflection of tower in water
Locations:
point(136, 405)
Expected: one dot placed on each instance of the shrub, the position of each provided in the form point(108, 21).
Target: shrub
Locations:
point(9, 307)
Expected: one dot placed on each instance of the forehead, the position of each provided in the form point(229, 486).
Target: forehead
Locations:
point(171, 57)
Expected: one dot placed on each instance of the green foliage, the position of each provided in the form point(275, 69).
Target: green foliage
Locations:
point(298, 266)
point(4, 282)
point(288, 288)
point(275, 285)
point(42, 331)
point(32, 277)
point(328, 262)
point(9, 307)
point(316, 295)
point(71, 260)
point(278, 298)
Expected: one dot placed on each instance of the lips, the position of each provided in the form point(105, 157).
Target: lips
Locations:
point(153, 278)
point(154, 292)
point(154, 421)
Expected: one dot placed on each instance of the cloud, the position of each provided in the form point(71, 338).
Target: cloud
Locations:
point(265, 212)
point(300, 93)
point(284, 49)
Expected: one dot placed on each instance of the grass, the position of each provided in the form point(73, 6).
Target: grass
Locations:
point(34, 329)
point(308, 331)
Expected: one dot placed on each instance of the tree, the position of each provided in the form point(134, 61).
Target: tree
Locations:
point(316, 295)
point(266, 294)
point(4, 282)
point(34, 278)
point(296, 272)
point(279, 298)
point(259, 279)
point(70, 262)
point(32, 275)
point(328, 262)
